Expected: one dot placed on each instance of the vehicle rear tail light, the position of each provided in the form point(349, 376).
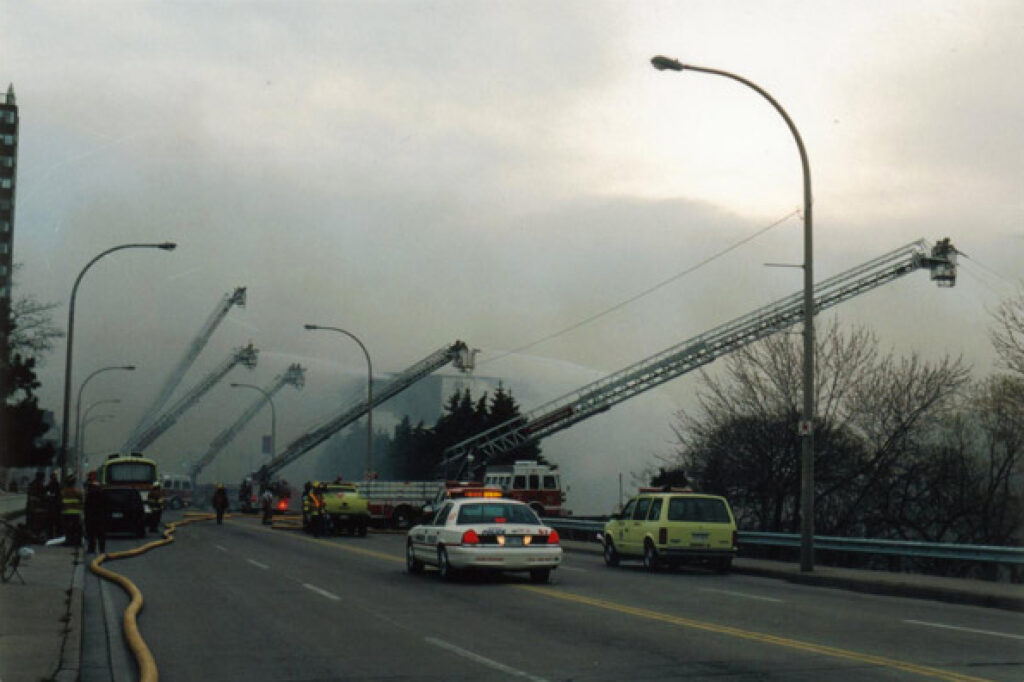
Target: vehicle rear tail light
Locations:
point(470, 538)
point(553, 538)
point(662, 536)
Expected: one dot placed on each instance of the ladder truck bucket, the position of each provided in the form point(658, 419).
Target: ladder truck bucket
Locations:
point(943, 263)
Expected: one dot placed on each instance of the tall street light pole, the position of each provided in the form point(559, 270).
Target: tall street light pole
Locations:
point(86, 420)
point(806, 425)
point(369, 394)
point(165, 246)
point(81, 420)
point(273, 416)
point(78, 409)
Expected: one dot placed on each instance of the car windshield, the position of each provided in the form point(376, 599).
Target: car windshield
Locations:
point(496, 512)
point(131, 472)
point(697, 509)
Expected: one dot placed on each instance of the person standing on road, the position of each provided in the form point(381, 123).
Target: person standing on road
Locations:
point(95, 516)
point(316, 509)
point(51, 496)
point(155, 499)
point(305, 505)
point(71, 512)
point(35, 505)
point(267, 502)
point(220, 502)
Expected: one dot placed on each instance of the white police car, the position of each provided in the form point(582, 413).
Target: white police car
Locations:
point(477, 529)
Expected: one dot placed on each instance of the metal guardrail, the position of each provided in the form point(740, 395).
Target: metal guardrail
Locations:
point(903, 548)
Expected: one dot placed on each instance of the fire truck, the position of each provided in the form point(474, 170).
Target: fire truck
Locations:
point(126, 480)
point(398, 504)
point(538, 485)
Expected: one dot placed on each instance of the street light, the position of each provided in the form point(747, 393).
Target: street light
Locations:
point(78, 408)
point(80, 422)
point(85, 424)
point(369, 393)
point(165, 246)
point(805, 429)
point(273, 417)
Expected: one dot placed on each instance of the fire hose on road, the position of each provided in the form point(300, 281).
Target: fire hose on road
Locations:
point(143, 656)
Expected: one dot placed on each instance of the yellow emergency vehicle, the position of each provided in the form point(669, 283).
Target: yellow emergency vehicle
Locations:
point(672, 526)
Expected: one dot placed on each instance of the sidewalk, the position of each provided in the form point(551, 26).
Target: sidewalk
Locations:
point(1007, 596)
point(40, 620)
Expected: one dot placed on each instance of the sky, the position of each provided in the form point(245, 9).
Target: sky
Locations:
point(498, 172)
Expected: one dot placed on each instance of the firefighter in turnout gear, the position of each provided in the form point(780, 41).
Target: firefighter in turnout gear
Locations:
point(305, 505)
point(316, 509)
point(155, 500)
point(71, 512)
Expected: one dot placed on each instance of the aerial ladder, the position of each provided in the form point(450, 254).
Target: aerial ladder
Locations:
point(295, 376)
point(599, 396)
point(178, 373)
point(246, 356)
point(458, 354)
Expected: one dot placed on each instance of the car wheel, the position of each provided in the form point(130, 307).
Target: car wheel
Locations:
point(402, 518)
point(176, 503)
point(412, 564)
point(140, 532)
point(611, 557)
point(540, 575)
point(651, 561)
point(362, 530)
point(443, 567)
point(722, 565)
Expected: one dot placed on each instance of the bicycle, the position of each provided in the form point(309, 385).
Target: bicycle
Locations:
point(13, 539)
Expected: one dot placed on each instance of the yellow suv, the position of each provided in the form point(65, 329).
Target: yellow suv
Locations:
point(673, 526)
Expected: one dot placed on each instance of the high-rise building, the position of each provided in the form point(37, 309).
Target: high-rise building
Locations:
point(8, 175)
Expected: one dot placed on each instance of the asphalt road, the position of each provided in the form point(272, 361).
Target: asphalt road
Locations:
point(243, 602)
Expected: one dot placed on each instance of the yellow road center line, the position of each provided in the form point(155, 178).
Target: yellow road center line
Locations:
point(755, 636)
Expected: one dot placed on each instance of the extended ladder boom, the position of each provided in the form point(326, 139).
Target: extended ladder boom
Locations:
point(294, 376)
point(186, 361)
point(240, 356)
point(689, 355)
point(458, 353)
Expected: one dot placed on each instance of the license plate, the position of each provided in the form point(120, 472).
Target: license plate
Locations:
point(513, 541)
point(699, 537)
point(117, 515)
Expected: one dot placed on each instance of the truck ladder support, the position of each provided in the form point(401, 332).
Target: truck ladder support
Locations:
point(458, 353)
point(294, 376)
point(240, 356)
point(687, 356)
point(186, 361)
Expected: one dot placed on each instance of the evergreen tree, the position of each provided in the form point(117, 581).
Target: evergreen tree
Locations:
point(29, 333)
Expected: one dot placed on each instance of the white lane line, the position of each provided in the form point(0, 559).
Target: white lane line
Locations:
point(223, 549)
point(322, 593)
point(741, 594)
point(482, 660)
point(258, 564)
point(961, 629)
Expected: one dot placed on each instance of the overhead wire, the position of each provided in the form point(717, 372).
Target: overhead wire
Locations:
point(648, 291)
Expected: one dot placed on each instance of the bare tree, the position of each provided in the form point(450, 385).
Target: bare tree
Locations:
point(872, 411)
point(1008, 333)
